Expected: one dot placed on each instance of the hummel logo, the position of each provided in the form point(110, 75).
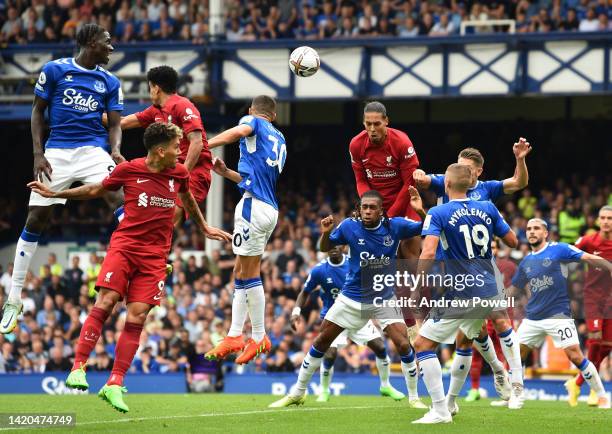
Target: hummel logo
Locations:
point(361, 242)
point(140, 181)
point(68, 78)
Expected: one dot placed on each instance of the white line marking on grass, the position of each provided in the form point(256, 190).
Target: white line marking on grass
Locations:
point(237, 413)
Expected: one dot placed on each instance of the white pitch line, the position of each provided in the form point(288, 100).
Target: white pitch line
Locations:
point(237, 413)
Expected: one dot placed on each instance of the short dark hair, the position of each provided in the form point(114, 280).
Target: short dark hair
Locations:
point(265, 105)
point(87, 34)
point(472, 154)
point(375, 107)
point(160, 133)
point(165, 77)
point(374, 194)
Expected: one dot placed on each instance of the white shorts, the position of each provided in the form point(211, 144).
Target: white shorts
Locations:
point(360, 337)
point(87, 164)
point(444, 330)
point(254, 222)
point(562, 330)
point(352, 315)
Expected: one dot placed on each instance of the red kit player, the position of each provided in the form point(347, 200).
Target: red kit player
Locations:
point(384, 159)
point(597, 302)
point(134, 266)
point(170, 107)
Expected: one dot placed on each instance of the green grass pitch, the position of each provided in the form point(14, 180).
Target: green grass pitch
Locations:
point(348, 414)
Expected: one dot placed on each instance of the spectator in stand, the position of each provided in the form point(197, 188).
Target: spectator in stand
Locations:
point(57, 362)
point(444, 27)
point(590, 23)
point(409, 29)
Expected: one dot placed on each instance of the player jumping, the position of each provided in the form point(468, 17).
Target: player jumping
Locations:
point(168, 106)
point(77, 91)
point(490, 190)
point(373, 241)
point(262, 156)
point(384, 160)
point(597, 303)
point(544, 272)
point(326, 278)
point(134, 266)
point(465, 228)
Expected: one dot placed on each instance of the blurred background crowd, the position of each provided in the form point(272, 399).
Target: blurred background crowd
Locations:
point(197, 311)
point(39, 21)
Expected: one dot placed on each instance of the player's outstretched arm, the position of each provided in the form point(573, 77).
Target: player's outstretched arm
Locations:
point(230, 136)
point(114, 136)
point(521, 175)
point(297, 310)
point(428, 255)
point(220, 168)
point(597, 261)
point(127, 122)
point(84, 192)
point(327, 225)
point(37, 125)
point(421, 179)
point(416, 202)
point(195, 148)
point(193, 210)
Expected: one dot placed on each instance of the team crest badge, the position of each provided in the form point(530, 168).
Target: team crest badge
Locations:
point(388, 241)
point(475, 195)
point(171, 184)
point(99, 86)
point(546, 262)
point(389, 160)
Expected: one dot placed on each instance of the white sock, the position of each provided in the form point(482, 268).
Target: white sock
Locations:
point(409, 369)
point(26, 246)
point(384, 370)
point(459, 372)
point(590, 374)
point(239, 309)
point(512, 352)
point(487, 350)
point(432, 376)
point(311, 363)
point(256, 302)
point(327, 373)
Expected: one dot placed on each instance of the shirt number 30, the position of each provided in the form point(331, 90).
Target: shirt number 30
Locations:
point(280, 155)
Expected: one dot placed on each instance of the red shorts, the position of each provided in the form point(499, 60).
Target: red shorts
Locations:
point(136, 277)
point(600, 325)
point(199, 184)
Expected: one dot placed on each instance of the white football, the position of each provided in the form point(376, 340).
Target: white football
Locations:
point(304, 61)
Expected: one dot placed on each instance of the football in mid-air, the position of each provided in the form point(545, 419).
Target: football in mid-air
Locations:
point(304, 61)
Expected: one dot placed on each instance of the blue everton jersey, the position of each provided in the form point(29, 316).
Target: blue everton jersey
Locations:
point(372, 254)
point(262, 157)
point(545, 274)
point(76, 98)
point(330, 278)
point(483, 190)
point(465, 228)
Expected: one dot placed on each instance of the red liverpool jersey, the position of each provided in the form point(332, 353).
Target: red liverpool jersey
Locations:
point(598, 282)
point(149, 205)
point(386, 168)
point(179, 111)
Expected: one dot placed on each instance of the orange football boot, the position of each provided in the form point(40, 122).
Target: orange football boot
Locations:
point(254, 349)
point(226, 347)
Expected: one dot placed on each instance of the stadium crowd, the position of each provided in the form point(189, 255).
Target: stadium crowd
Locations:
point(197, 310)
point(39, 21)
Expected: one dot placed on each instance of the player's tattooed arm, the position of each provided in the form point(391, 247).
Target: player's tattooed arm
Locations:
point(37, 125)
point(421, 179)
point(327, 225)
point(230, 136)
point(114, 136)
point(510, 239)
point(520, 179)
point(195, 148)
point(193, 210)
point(220, 168)
point(84, 192)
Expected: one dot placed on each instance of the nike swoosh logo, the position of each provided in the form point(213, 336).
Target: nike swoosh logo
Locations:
point(157, 297)
point(140, 181)
point(365, 160)
point(5, 324)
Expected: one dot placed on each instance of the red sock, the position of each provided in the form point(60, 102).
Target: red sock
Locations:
point(90, 333)
point(124, 353)
point(475, 369)
point(593, 354)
